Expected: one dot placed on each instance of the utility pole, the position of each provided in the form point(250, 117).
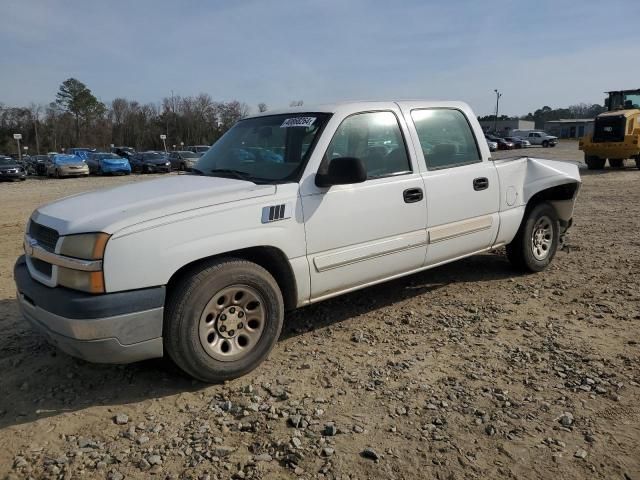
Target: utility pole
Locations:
point(495, 124)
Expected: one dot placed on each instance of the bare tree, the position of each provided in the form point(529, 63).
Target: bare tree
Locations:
point(262, 107)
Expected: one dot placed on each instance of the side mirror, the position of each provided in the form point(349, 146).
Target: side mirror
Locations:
point(342, 171)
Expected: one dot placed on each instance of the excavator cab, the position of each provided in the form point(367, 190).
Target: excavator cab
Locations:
point(623, 100)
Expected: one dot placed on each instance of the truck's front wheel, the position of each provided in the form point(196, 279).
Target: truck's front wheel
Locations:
point(222, 319)
point(536, 242)
point(593, 162)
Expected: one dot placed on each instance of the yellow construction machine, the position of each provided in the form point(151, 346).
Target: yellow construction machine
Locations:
point(616, 133)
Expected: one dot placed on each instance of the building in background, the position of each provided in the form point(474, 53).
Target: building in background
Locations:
point(569, 127)
point(505, 127)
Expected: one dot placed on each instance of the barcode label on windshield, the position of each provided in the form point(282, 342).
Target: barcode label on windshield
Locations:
point(298, 122)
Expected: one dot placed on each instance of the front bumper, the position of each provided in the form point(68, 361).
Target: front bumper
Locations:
point(73, 172)
point(4, 174)
point(115, 169)
point(120, 327)
point(157, 168)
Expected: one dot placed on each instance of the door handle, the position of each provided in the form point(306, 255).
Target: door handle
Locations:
point(480, 183)
point(412, 195)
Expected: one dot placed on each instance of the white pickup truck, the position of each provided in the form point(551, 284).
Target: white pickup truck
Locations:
point(286, 209)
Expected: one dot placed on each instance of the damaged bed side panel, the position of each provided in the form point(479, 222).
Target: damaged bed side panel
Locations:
point(523, 178)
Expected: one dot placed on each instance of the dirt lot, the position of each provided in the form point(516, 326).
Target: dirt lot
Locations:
point(466, 371)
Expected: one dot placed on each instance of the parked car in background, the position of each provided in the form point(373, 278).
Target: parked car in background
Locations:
point(518, 142)
point(183, 160)
point(38, 165)
point(198, 148)
point(65, 165)
point(102, 163)
point(124, 152)
point(502, 143)
point(10, 169)
point(537, 137)
point(493, 146)
point(83, 153)
point(150, 162)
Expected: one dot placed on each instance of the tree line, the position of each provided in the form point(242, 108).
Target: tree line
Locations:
point(76, 118)
point(546, 113)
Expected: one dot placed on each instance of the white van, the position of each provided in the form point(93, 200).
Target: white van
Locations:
point(536, 137)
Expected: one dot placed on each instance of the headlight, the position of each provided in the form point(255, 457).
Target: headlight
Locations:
point(168, 163)
point(88, 246)
point(91, 282)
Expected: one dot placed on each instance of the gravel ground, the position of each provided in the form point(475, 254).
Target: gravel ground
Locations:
point(467, 371)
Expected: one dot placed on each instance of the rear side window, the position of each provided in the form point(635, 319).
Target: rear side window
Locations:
point(375, 138)
point(445, 137)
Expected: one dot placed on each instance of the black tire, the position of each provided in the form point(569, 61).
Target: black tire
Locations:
point(185, 307)
point(545, 143)
point(616, 162)
point(638, 162)
point(521, 250)
point(593, 162)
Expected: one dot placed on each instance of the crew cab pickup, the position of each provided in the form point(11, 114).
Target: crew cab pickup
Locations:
point(286, 209)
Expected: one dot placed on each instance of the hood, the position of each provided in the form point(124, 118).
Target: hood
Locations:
point(112, 209)
point(157, 161)
point(10, 167)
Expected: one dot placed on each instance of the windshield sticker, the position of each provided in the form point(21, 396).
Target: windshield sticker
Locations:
point(298, 122)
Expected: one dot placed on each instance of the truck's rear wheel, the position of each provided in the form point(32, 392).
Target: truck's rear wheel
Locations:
point(536, 242)
point(223, 319)
point(593, 162)
point(616, 162)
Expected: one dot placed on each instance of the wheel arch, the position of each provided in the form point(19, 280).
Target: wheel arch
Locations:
point(270, 258)
point(562, 197)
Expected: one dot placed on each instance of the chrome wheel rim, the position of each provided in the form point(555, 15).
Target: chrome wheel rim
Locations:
point(542, 238)
point(232, 323)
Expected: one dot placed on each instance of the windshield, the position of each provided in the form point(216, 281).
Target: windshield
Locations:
point(107, 156)
point(189, 155)
point(62, 159)
point(624, 100)
point(7, 161)
point(153, 156)
point(267, 149)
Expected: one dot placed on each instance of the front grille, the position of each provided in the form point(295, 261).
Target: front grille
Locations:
point(45, 236)
point(42, 267)
point(609, 129)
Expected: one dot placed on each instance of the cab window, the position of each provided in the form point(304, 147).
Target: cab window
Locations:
point(445, 137)
point(376, 139)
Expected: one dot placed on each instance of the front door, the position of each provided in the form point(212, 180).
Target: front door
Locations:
point(362, 233)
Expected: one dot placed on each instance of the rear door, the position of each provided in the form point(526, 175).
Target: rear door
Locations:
point(461, 184)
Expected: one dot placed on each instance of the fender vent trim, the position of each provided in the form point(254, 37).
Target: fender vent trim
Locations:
point(274, 213)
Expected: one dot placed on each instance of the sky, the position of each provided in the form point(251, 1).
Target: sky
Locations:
point(543, 52)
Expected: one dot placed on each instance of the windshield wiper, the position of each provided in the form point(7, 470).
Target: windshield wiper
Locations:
point(240, 175)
